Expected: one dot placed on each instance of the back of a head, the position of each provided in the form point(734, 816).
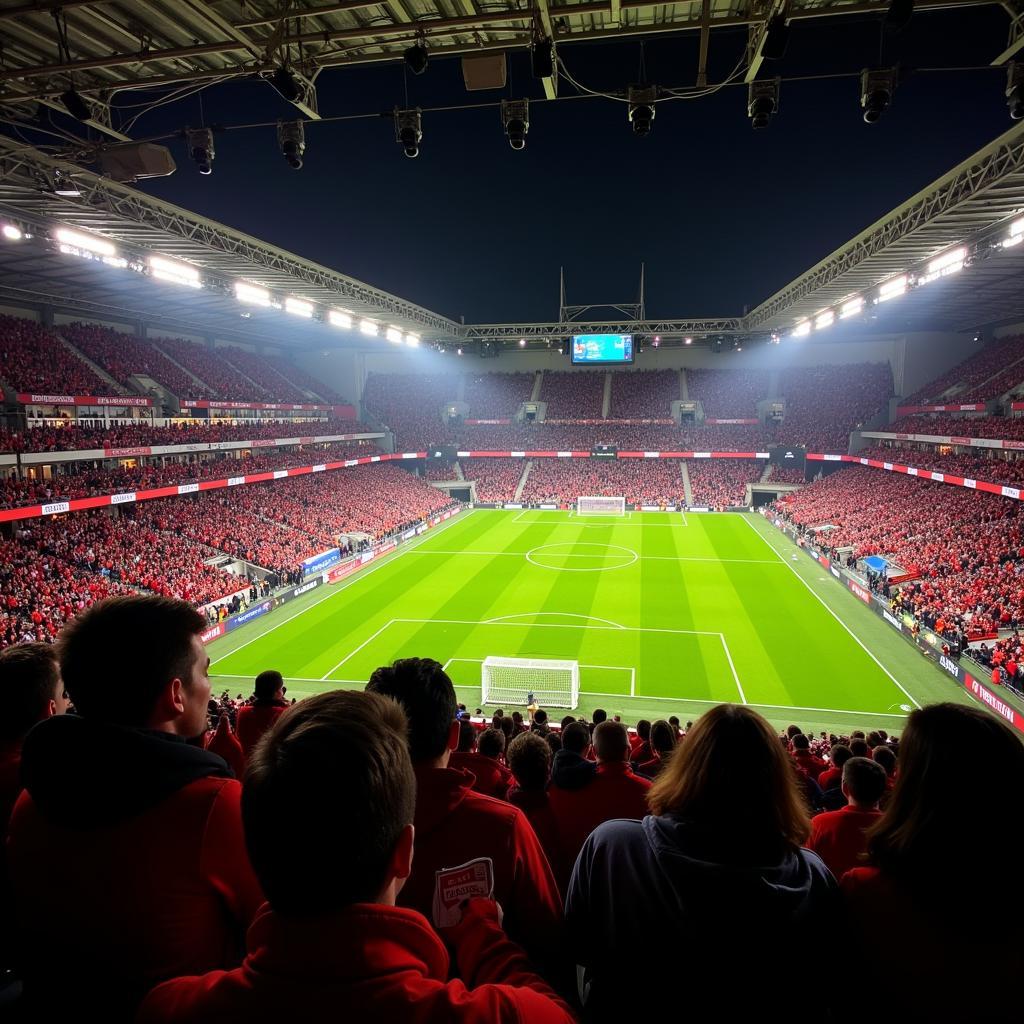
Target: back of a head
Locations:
point(491, 743)
point(467, 736)
point(886, 758)
point(793, 730)
point(643, 729)
point(339, 742)
point(426, 693)
point(945, 810)
point(663, 738)
point(839, 755)
point(800, 742)
point(268, 684)
point(865, 780)
point(599, 716)
point(575, 738)
point(540, 717)
point(733, 774)
point(29, 680)
point(529, 757)
point(611, 742)
point(118, 654)
point(859, 748)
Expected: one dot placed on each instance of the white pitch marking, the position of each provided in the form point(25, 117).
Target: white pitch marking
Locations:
point(565, 615)
point(333, 589)
point(326, 675)
point(563, 625)
point(728, 655)
point(827, 608)
point(648, 558)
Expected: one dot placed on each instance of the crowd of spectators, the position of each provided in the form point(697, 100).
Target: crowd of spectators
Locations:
point(496, 479)
point(221, 378)
point(975, 463)
point(496, 395)
point(728, 394)
point(640, 481)
point(265, 376)
point(644, 394)
point(294, 374)
point(963, 550)
point(411, 405)
point(787, 475)
point(971, 375)
point(720, 483)
point(72, 437)
point(33, 359)
point(122, 356)
point(573, 394)
point(1010, 428)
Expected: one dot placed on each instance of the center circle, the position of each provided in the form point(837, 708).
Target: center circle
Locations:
point(567, 552)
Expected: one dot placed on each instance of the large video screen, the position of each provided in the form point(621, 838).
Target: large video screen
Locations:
point(602, 348)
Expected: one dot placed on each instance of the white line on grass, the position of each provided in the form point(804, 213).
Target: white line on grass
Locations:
point(834, 615)
point(359, 648)
point(649, 558)
point(743, 696)
point(562, 625)
point(338, 588)
point(565, 615)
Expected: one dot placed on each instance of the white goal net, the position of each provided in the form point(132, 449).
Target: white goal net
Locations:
point(554, 684)
point(601, 506)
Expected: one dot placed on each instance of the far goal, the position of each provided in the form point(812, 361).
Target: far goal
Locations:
point(601, 506)
point(554, 684)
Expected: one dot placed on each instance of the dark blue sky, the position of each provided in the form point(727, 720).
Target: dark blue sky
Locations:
point(722, 215)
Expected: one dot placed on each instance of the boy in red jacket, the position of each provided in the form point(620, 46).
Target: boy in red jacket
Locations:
point(333, 945)
point(488, 840)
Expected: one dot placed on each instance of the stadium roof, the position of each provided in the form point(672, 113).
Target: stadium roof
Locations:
point(971, 206)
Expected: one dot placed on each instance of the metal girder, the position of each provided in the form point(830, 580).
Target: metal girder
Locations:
point(1016, 35)
point(757, 37)
point(550, 83)
point(564, 328)
point(958, 205)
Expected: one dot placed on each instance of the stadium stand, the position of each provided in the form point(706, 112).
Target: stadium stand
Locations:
point(496, 395)
point(294, 374)
point(983, 376)
point(722, 482)
point(641, 481)
point(1009, 427)
point(728, 394)
point(410, 404)
point(220, 377)
point(644, 394)
point(33, 360)
point(573, 395)
point(258, 370)
point(496, 479)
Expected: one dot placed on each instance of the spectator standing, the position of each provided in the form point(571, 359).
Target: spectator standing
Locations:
point(529, 758)
point(258, 717)
point(662, 742)
point(125, 849)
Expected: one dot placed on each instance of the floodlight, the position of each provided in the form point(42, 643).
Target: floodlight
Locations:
point(893, 288)
point(762, 102)
point(339, 318)
point(409, 130)
point(291, 137)
point(876, 91)
point(298, 307)
point(1015, 89)
point(394, 334)
point(90, 243)
point(176, 273)
point(368, 327)
point(852, 307)
point(252, 294)
point(287, 83)
point(515, 118)
point(12, 232)
point(200, 149)
point(641, 108)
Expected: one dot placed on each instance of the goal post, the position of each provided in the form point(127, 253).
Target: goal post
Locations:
point(594, 505)
point(553, 683)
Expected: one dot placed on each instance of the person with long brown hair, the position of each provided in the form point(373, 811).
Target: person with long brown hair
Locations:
point(712, 886)
point(955, 821)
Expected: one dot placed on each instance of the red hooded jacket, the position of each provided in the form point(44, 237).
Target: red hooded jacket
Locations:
point(492, 777)
point(454, 825)
point(838, 838)
point(366, 963)
point(256, 719)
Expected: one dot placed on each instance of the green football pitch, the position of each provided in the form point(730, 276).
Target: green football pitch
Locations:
point(666, 614)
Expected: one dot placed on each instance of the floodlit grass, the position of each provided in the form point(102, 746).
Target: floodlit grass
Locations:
point(665, 614)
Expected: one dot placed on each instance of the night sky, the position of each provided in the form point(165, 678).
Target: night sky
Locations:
point(722, 216)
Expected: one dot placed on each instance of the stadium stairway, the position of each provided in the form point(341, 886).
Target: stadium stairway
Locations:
point(773, 385)
point(522, 481)
point(687, 489)
point(684, 390)
point(188, 373)
point(459, 475)
point(538, 384)
point(116, 389)
point(606, 402)
point(766, 473)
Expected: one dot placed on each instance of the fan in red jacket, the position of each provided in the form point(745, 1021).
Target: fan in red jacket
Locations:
point(529, 757)
point(126, 850)
point(614, 792)
point(259, 717)
point(839, 837)
point(332, 945)
point(457, 828)
point(810, 764)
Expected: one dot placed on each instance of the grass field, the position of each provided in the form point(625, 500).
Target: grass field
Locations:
point(665, 613)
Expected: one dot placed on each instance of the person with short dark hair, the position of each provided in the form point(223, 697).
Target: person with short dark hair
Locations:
point(540, 722)
point(832, 776)
point(662, 742)
point(492, 777)
point(529, 758)
point(640, 744)
point(931, 856)
point(839, 837)
point(858, 747)
point(884, 756)
point(810, 764)
point(614, 791)
point(257, 718)
point(456, 826)
point(335, 943)
point(126, 849)
point(570, 768)
point(713, 877)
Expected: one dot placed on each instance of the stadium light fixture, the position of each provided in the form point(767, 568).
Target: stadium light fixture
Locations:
point(394, 334)
point(252, 294)
point(1015, 235)
point(76, 240)
point(412, 340)
point(893, 288)
point(825, 319)
point(542, 58)
point(458, 351)
point(687, 341)
point(409, 130)
point(339, 318)
point(200, 149)
point(522, 343)
point(369, 328)
point(12, 232)
point(417, 57)
point(852, 307)
point(776, 38)
point(298, 307)
point(1015, 90)
point(174, 272)
point(802, 329)
point(641, 108)
point(291, 138)
point(64, 185)
point(762, 102)
point(75, 105)
point(515, 118)
point(876, 91)
point(942, 266)
point(287, 83)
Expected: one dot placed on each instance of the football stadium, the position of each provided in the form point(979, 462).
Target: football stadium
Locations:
point(415, 605)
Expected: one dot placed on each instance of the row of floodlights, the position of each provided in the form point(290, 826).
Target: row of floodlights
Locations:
point(80, 243)
point(950, 262)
